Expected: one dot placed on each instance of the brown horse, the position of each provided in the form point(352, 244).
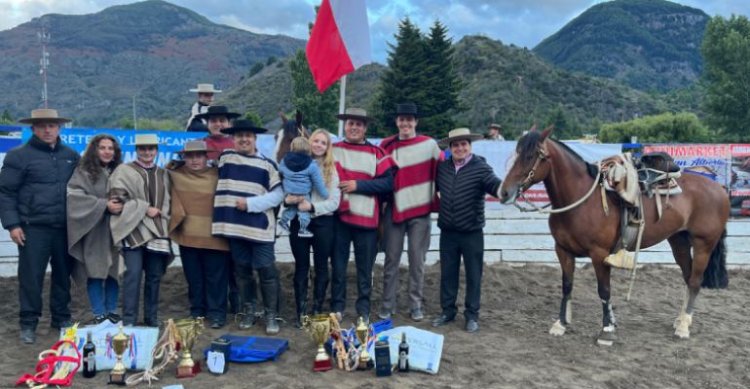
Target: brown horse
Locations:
point(695, 219)
point(290, 129)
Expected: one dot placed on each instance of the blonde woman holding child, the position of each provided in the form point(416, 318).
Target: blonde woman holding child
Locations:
point(320, 206)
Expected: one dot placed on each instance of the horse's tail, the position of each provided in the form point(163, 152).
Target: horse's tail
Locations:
point(715, 276)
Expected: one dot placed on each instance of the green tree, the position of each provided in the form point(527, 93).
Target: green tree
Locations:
point(565, 128)
point(663, 128)
point(318, 109)
point(254, 118)
point(257, 67)
point(5, 118)
point(404, 80)
point(151, 124)
point(442, 83)
point(726, 54)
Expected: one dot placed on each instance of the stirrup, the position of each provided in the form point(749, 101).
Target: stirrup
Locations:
point(622, 259)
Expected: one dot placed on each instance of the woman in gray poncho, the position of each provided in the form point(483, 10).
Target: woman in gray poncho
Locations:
point(89, 237)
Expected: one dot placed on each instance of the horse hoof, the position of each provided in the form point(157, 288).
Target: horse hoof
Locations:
point(682, 334)
point(607, 336)
point(558, 329)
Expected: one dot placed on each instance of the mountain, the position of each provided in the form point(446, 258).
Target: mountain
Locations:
point(152, 50)
point(647, 44)
point(515, 87)
point(507, 84)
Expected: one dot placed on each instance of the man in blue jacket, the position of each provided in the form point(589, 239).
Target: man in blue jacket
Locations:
point(33, 186)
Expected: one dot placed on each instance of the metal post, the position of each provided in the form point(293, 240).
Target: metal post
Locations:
point(342, 103)
point(135, 119)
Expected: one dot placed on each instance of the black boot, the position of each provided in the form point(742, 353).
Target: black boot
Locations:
point(269, 287)
point(247, 291)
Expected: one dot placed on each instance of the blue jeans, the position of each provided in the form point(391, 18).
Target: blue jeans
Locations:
point(290, 211)
point(103, 295)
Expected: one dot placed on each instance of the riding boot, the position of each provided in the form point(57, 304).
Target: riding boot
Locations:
point(269, 287)
point(248, 298)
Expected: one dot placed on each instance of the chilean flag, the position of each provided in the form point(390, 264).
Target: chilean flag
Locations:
point(339, 42)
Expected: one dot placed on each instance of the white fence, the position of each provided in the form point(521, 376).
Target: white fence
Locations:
point(510, 236)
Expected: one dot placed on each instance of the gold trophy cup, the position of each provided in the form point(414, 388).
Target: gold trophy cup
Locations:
point(119, 345)
point(361, 332)
point(188, 331)
point(319, 327)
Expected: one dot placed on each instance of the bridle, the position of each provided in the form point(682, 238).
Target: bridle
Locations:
point(541, 156)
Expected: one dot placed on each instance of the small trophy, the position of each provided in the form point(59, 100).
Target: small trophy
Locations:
point(188, 331)
point(119, 345)
point(319, 327)
point(361, 331)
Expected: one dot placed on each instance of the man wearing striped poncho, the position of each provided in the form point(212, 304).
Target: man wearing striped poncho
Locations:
point(248, 191)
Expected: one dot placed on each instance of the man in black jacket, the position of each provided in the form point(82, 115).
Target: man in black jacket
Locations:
point(462, 181)
point(33, 186)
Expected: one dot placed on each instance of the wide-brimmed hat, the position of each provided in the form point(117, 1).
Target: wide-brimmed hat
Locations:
point(195, 146)
point(407, 109)
point(459, 134)
point(146, 140)
point(44, 115)
point(495, 125)
point(217, 110)
point(354, 113)
point(243, 125)
point(205, 88)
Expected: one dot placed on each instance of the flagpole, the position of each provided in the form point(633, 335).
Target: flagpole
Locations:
point(342, 99)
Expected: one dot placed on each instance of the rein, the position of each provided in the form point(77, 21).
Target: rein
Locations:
point(543, 156)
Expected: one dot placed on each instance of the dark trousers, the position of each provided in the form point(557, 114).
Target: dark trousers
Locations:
point(153, 265)
point(322, 228)
point(43, 245)
point(453, 245)
point(365, 249)
point(206, 274)
point(249, 256)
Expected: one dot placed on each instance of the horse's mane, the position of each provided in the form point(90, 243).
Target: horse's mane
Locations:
point(528, 144)
point(290, 129)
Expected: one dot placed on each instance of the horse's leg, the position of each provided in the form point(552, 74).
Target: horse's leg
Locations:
point(701, 252)
point(568, 267)
point(680, 244)
point(607, 335)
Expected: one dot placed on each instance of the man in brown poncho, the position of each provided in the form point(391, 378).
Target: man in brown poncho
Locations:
point(203, 255)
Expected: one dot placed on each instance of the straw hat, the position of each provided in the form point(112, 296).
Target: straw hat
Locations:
point(44, 115)
point(355, 113)
point(459, 134)
point(146, 140)
point(243, 125)
point(205, 88)
point(195, 146)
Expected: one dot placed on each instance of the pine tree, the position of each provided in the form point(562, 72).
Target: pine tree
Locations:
point(403, 81)
point(442, 84)
point(5, 118)
point(319, 110)
point(420, 70)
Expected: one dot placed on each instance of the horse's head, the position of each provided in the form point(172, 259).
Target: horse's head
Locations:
point(290, 129)
point(529, 167)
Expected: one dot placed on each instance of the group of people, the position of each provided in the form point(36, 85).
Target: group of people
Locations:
point(100, 220)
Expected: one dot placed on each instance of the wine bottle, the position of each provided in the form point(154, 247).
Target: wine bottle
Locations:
point(403, 354)
point(89, 357)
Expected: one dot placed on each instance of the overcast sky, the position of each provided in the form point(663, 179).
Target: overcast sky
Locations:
point(521, 22)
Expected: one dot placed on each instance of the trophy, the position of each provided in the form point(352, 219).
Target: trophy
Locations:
point(119, 345)
point(319, 327)
point(187, 331)
point(361, 331)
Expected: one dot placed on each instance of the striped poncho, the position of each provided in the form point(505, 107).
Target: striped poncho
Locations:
point(360, 162)
point(414, 184)
point(141, 188)
point(243, 176)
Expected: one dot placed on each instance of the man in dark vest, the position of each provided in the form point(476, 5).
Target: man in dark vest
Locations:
point(463, 181)
point(33, 189)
